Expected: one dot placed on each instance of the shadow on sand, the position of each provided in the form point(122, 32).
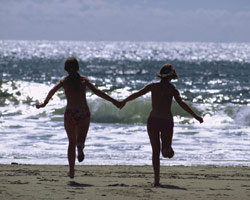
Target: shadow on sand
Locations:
point(75, 184)
point(172, 187)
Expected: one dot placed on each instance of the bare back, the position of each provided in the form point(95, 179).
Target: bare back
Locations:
point(162, 96)
point(76, 98)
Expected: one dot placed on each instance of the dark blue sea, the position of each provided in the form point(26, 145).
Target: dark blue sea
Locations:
point(214, 79)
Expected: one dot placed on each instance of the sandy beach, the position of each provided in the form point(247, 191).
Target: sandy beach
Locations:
point(123, 182)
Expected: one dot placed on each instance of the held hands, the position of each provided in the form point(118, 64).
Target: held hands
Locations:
point(122, 104)
point(119, 104)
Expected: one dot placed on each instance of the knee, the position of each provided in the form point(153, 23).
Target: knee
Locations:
point(72, 144)
point(156, 153)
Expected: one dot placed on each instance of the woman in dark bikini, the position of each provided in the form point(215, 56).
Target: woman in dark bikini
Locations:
point(160, 121)
point(77, 114)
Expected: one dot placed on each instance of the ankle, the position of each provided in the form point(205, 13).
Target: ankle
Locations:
point(71, 174)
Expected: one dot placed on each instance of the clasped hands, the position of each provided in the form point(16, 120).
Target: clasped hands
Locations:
point(119, 104)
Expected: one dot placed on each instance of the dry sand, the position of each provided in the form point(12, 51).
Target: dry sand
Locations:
point(37, 182)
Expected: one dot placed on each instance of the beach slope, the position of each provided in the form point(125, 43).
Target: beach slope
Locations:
point(123, 182)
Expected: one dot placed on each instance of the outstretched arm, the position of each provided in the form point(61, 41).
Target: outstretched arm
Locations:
point(101, 93)
point(50, 95)
point(185, 106)
point(135, 95)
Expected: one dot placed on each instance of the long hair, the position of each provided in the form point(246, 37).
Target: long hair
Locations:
point(71, 66)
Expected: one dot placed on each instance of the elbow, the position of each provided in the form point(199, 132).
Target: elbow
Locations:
point(97, 92)
point(51, 92)
point(136, 95)
point(182, 104)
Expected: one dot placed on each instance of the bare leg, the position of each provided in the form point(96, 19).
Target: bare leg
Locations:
point(155, 144)
point(166, 138)
point(81, 134)
point(70, 130)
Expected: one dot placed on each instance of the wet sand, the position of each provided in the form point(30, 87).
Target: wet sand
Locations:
point(123, 182)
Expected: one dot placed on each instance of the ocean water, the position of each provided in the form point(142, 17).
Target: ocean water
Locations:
point(214, 81)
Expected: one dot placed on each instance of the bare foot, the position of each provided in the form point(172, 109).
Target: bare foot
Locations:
point(80, 154)
point(71, 174)
point(157, 185)
point(168, 152)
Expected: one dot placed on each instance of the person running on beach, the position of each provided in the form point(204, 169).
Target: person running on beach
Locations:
point(77, 114)
point(160, 121)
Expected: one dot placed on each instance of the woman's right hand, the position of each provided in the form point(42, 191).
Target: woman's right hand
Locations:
point(198, 118)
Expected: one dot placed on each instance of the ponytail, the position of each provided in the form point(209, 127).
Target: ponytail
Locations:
point(75, 80)
point(71, 66)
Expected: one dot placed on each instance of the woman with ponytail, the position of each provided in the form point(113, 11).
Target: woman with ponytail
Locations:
point(160, 121)
point(77, 114)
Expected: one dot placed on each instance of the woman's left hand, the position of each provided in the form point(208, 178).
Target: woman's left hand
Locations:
point(41, 105)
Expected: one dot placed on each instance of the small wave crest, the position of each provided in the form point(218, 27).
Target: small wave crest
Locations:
point(239, 114)
point(24, 94)
point(137, 111)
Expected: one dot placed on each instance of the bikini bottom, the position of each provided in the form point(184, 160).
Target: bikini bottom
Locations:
point(74, 116)
point(160, 124)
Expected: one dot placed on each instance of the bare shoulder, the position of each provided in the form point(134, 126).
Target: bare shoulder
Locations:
point(62, 80)
point(172, 86)
point(152, 84)
point(174, 89)
point(84, 79)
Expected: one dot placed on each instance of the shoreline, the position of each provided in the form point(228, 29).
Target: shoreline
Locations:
point(21, 181)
